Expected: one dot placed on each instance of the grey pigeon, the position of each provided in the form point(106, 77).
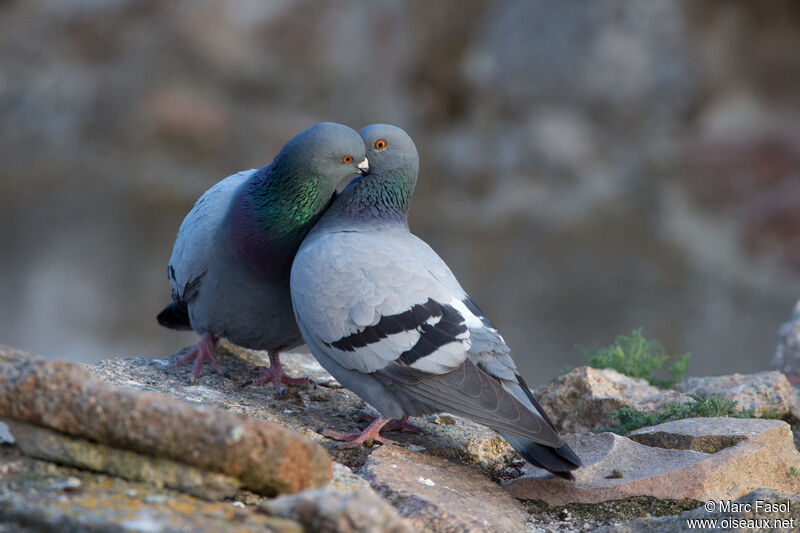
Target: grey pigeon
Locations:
point(231, 261)
point(384, 314)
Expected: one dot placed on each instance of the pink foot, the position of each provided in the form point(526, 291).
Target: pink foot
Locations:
point(394, 425)
point(202, 351)
point(354, 440)
point(275, 375)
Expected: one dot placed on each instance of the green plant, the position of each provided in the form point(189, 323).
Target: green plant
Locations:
point(632, 419)
point(769, 414)
point(638, 357)
point(794, 473)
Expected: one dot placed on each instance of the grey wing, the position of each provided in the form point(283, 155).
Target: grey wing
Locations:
point(489, 350)
point(388, 306)
point(490, 353)
point(485, 388)
point(194, 245)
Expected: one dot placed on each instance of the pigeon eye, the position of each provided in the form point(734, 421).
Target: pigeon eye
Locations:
point(347, 159)
point(380, 144)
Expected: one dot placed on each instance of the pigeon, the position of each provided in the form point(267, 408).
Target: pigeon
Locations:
point(384, 314)
point(231, 261)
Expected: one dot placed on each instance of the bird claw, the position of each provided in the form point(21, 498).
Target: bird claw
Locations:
point(201, 352)
point(396, 424)
point(354, 440)
point(274, 374)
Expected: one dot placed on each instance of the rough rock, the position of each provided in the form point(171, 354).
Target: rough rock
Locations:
point(344, 480)
point(307, 410)
point(616, 467)
point(350, 502)
point(53, 446)
point(41, 497)
point(767, 392)
point(439, 495)
point(66, 397)
point(577, 517)
point(710, 435)
point(760, 510)
point(582, 399)
point(328, 510)
point(346, 504)
point(787, 352)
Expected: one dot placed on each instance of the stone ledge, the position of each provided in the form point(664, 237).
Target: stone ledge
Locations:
point(42, 497)
point(440, 495)
point(348, 501)
point(65, 397)
point(53, 446)
point(616, 467)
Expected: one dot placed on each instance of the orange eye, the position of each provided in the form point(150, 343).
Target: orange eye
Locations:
point(347, 159)
point(380, 144)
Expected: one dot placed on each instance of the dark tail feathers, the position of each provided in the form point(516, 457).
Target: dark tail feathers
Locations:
point(175, 316)
point(559, 461)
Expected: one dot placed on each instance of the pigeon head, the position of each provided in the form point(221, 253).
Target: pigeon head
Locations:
point(328, 150)
point(279, 204)
point(390, 149)
point(289, 194)
point(384, 194)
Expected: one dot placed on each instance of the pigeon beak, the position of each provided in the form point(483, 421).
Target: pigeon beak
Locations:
point(363, 167)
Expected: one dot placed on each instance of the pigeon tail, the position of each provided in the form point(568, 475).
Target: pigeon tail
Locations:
point(558, 461)
point(175, 316)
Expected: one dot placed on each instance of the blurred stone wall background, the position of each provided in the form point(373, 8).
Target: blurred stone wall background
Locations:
point(587, 167)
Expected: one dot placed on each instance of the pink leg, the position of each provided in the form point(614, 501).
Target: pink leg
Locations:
point(276, 375)
point(395, 424)
point(202, 351)
point(354, 440)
